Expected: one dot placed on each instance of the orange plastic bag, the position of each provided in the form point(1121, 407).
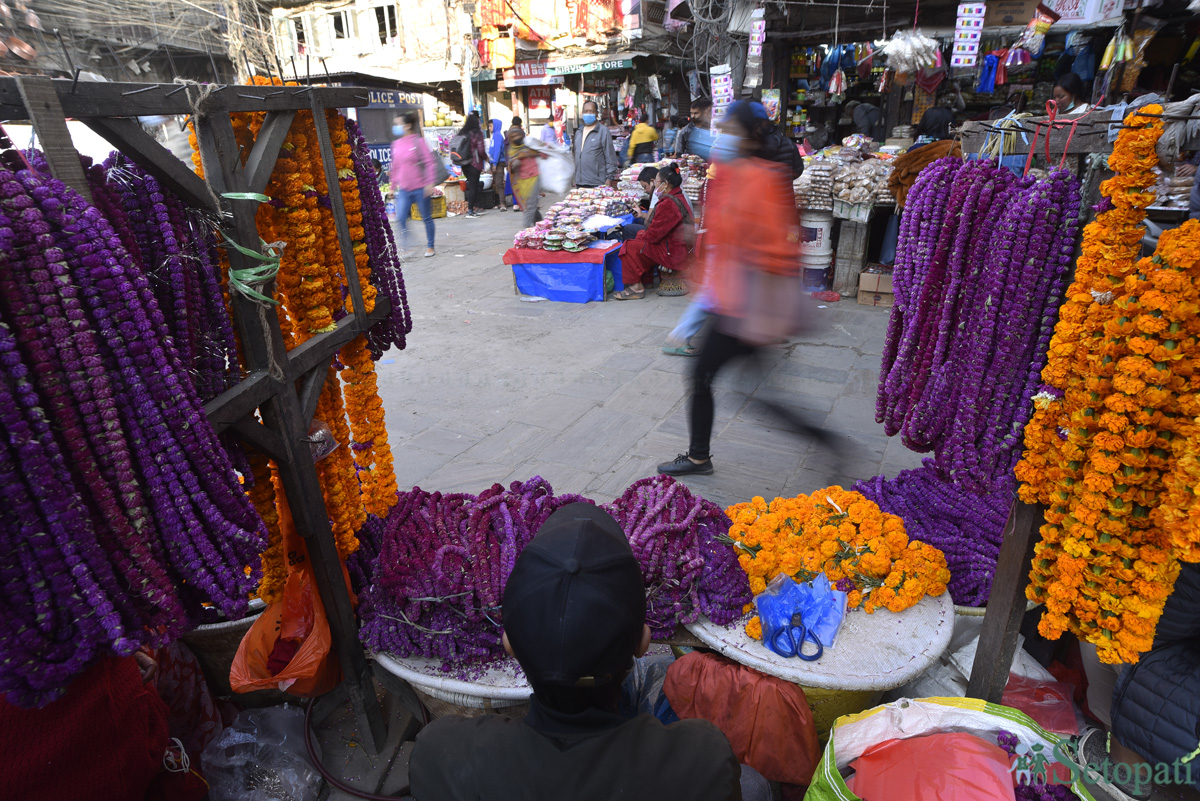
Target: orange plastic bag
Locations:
point(953, 766)
point(289, 646)
point(766, 720)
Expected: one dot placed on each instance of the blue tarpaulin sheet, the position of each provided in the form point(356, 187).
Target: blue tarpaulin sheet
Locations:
point(569, 282)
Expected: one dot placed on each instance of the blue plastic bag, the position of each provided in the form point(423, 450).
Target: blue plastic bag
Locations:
point(821, 607)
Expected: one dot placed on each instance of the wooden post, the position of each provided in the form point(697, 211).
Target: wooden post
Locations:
point(50, 125)
point(1006, 605)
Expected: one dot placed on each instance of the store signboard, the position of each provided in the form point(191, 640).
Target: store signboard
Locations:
point(1085, 10)
point(590, 66)
point(387, 98)
point(529, 73)
point(382, 154)
point(540, 100)
point(1009, 12)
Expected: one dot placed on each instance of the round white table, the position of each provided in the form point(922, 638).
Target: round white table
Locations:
point(495, 684)
point(877, 651)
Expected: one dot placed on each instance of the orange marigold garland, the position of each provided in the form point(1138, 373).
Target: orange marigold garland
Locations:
point(1112, 432)
point(842, 534)
point(359, 475)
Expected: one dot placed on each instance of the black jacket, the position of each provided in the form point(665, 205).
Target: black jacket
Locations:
point(594, 755)
point(780, 149)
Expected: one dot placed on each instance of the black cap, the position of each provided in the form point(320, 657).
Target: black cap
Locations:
point(575, 604)
point(647, 174)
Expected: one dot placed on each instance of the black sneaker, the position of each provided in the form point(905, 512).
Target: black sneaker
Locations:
point(682, 465)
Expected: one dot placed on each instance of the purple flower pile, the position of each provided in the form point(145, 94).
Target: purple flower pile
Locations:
point(445, 559)
point(981, 264)
point(965, 525)
point(687, 572)
point(122, 512)
point(386, 276)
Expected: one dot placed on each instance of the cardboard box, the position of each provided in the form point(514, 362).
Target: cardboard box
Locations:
point(875, 282)
point(882, 299)
point(1009, 12)
point(1085, 10)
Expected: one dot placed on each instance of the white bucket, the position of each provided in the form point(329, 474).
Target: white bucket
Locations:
point(816, 230)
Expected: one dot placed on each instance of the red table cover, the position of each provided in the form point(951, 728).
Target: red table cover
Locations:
point(537, 256)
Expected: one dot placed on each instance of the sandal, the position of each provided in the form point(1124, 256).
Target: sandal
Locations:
point(629, 294)
point(682, 350)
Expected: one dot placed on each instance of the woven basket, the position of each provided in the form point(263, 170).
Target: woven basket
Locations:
point(215, 645)
point(829, 705)
point(443, 704)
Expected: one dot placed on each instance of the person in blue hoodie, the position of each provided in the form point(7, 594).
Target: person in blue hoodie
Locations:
point(500, 179)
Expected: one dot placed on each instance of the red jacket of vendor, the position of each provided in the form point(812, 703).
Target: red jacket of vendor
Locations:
point(664, 237)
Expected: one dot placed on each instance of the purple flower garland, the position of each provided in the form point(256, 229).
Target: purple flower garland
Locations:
point(386, 274)
point(127, 493)
point(978, 289)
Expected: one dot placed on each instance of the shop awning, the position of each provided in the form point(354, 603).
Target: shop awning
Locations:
point(610, 61)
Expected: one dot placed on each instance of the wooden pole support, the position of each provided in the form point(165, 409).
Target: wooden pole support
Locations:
point(1006, 605)
point(50, 124)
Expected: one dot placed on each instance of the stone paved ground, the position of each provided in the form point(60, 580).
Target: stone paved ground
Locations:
point(495, 388)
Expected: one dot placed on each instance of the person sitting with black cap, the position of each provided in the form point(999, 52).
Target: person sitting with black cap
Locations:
point(574, 614)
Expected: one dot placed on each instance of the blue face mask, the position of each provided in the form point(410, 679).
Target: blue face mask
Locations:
point(589, 119)
point(726, 148)
point(397, 130)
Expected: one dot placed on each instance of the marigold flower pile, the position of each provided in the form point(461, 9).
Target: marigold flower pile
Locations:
point(842, 534)
point(1111, 447)
point(358, 479)
point(445, 559)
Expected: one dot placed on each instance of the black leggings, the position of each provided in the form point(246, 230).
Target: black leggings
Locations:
point(472, 176)
point(718, 350)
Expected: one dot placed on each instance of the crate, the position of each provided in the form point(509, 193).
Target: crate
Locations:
point(437, 209)
point(875, 289)
point(856, 212)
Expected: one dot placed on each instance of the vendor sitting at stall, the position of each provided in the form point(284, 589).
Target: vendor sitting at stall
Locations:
point(662, 244)
point(647, 179)
point(574, 614)
point(1069, 96)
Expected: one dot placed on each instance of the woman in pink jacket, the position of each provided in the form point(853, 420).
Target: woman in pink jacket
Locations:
point(412, 175)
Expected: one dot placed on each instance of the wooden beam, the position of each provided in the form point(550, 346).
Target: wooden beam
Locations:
point(127, 136)
point(339, 207)
point(1090, 136)
point(43, 110)
point(310, 388)
point(114, 99)
point(256, 434)
point(1006, 604)
point(240, 401)
point(261, 161)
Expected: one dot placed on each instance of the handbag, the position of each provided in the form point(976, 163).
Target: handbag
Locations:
point(440, 173)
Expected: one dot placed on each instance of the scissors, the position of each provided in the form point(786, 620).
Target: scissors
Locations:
point(784, 641)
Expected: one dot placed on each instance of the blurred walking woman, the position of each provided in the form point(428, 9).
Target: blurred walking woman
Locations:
point(413, 174)
point(751, 269)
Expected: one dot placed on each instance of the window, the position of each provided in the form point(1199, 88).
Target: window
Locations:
point(388, 22)
point(301, 41)
point(339, 24)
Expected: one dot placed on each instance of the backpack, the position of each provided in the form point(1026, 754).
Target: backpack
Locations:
point(460, 149)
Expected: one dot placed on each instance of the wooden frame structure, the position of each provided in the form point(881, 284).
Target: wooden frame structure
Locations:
point(272, 408)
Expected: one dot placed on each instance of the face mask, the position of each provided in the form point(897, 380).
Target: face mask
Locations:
point(397, 130)
point(726, 148)
point(589, 119)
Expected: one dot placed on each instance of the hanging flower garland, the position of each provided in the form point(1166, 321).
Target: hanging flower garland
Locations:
point(1109, 443)
point(127, 513)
